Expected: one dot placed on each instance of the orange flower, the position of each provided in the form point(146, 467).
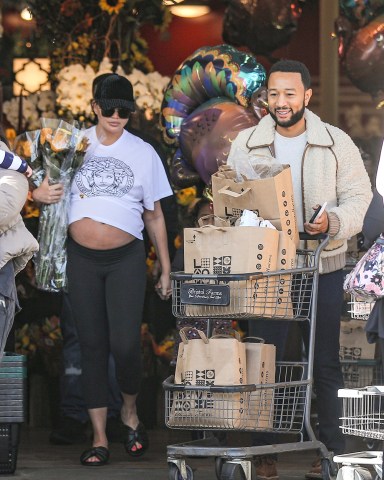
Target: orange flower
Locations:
point(45, 134)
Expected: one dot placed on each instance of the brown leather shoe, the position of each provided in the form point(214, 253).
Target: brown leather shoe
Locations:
point(266, 468)
point(315, 472)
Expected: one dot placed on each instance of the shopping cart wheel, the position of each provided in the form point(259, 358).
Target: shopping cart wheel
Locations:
point(232, 471)
point(175, 474)
point(329, 469)
point(359, 473)
point(373, 444)
point(219, 462)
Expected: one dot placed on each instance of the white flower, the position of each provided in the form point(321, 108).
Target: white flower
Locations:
point(140, 90)
point(144, 101)
point(105, 66)
point(75, 88)
point(137, 76)
point(46, 100)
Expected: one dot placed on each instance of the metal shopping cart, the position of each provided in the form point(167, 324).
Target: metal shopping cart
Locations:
point(360, 308)
point(280, 407)
point(363, 416)
point(361, 373)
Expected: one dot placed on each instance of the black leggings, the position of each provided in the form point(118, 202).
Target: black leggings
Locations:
point(106, 291)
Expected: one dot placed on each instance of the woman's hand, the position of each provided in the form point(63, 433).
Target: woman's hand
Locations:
point(48, 194)
point(28, 172)
point(163, 286)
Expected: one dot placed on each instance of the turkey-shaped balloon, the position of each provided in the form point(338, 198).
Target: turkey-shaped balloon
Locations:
point(261, 25)
point(361, 45)
point(215, 93)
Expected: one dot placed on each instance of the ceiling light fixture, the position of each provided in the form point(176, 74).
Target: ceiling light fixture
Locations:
point(26, 14)
point(189, 9)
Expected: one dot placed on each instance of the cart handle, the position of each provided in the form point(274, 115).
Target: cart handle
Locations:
point(324, 237)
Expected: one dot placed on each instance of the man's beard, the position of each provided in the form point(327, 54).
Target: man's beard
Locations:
point(295, 118)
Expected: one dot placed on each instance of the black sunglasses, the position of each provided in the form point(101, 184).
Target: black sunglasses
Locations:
point(122, 112)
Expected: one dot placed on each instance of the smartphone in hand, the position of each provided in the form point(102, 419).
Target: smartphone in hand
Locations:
point(319, 211)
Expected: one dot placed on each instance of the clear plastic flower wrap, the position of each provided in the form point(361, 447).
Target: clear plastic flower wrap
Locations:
point(26, 145)
point(61, 148)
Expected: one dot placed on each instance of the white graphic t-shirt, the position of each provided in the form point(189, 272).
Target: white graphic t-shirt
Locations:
point(116, 182)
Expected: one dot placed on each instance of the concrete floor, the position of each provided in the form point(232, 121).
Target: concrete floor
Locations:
point(38, 460)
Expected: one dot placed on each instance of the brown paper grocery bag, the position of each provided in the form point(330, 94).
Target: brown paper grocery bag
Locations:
point(279, 302)
point(261, 359)
point(203, 362)
point(213, 250)
point(271, 198)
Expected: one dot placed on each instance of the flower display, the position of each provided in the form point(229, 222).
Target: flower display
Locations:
point(41, 340)
point(86, 31)
point(74, 90)
point(33, 107)
point(148, 90)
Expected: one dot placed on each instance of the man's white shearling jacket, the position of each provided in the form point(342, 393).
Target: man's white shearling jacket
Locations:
point(332, 171)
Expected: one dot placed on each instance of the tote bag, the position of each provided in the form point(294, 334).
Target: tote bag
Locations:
point(217, 361)
point(367, 278)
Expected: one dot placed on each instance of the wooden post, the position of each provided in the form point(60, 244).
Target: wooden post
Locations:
point(1, 103)
point(329, 63)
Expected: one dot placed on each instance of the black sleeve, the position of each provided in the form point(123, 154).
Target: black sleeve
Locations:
point(374, 219)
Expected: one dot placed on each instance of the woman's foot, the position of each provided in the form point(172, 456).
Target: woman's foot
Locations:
point(136, 440)
point(95, 457)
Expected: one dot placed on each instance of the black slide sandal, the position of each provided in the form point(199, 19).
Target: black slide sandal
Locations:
point(101, 453)
point(131, 437)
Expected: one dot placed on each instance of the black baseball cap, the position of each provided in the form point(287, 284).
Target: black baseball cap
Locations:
point(115, 91)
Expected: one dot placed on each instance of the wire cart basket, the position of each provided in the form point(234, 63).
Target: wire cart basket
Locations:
point(280, 407)
point(360, 309)
point(363, 416)
point(361, 373)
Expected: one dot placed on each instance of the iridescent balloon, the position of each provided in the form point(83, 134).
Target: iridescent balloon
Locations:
point(261, 25)
point(209, 72)
point(206, 104)
point(206, 135)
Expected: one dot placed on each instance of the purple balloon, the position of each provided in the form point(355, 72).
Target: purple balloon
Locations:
point(206, 135)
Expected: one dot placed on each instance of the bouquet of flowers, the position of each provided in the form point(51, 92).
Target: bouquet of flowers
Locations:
point(62, 147)
point(56, 150)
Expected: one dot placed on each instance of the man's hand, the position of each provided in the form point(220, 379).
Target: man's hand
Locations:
point(320, 225)
point(48, 194)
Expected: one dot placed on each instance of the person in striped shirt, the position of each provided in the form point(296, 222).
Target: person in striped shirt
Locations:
point(10, 161)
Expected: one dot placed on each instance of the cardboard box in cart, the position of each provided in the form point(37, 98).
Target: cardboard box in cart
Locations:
point(271, 198)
